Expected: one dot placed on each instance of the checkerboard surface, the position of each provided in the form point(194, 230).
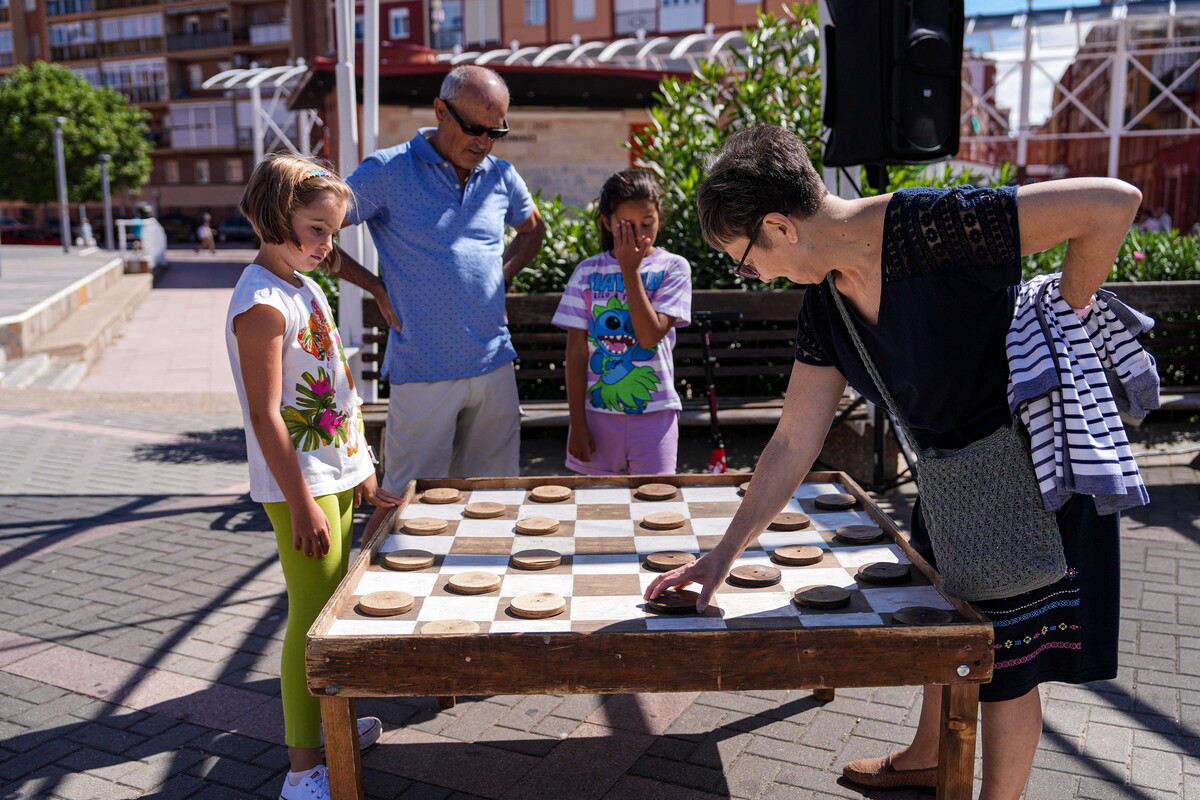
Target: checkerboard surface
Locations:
point(602, 575)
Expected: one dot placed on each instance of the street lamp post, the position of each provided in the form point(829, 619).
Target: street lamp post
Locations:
point(64, 213)
point(108, 224)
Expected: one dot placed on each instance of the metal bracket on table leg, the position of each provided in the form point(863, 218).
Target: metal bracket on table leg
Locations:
point(446, 701)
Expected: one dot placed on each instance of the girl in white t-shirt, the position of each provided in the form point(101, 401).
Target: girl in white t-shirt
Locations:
point(309, 465)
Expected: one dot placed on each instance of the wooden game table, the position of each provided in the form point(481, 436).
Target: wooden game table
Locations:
point(351, 655)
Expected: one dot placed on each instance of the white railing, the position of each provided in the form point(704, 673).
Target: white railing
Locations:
point(142, 238)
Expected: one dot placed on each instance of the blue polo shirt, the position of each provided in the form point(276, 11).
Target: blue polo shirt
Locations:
point(441, 251)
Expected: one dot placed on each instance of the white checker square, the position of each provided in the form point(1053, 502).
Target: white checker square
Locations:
point(418, 584)
point(688, 623)
point(854, 557)
point(371, 627)
point(603, 527)
point(517, 585)
point(559, 511)
point(839, 620)
point(607, 564)
point(771, 540)
point(508, 497)
point(832, 520)
point(710, 494)
point(563, 545)
point(640, 510)
point(607, 607)
point(446, 511)
point(711, 526)
point(438, 545)
point(464, 562)
point(657, 544)
point(476, 609)
point(794, 579)
point(808, 491)
point(756, 604)
point(753, 557)
point(485, 528)
point(892, 598)
point(554, 625)
point(793, 507)
point(603, 496)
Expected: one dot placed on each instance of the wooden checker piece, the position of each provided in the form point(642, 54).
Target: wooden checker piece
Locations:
point(885, 573)
point(486, 510)
point(743, 488)
point(385, 604)
point(836, 501)
point(550, 493)
point(859, 534)
point(536, 526)
point(674, 601)
point(474, 582)
point(408, 560)
point(921, 615)
point(538, 605)
point(425, 526)
point(536, 559)
point(664, 520)
point(754, 576)
point(822, 597)
point(450, 626)
point(798, 555)
point(440, 496)
point(656, 491)
point(668, 560)
point(790, 521)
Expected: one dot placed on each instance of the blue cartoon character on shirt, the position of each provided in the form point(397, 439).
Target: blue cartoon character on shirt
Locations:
point(622, 386)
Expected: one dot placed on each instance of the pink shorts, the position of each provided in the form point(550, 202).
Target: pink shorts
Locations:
point(631, 444)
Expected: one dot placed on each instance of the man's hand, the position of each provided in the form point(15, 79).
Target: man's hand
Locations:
point(385, 307)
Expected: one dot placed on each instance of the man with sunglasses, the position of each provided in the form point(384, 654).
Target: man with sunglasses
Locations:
point(437, 207)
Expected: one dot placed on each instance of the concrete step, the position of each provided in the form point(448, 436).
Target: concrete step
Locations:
point(62, 377)
point(84, 334)
point(22, 373)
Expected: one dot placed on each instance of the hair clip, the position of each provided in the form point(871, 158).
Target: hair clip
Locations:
point(317, 173)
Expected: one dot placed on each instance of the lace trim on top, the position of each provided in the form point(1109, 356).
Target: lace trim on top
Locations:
point(930, 231)
point(808, 349)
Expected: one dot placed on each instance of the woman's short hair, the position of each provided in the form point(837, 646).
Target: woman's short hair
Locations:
point(281, 184)
point(760, 170)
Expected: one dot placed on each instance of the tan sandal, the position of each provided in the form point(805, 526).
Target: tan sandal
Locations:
point(879, 773)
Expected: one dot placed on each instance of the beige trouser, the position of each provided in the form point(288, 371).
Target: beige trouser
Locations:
point(464, 428)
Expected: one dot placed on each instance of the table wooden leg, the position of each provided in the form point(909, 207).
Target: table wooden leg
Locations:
point(956, 746)
point(446, 701)
point(342, 756)
point(824, 695)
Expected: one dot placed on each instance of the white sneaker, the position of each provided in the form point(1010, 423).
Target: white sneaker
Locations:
point(369, 729)
point(314, 786)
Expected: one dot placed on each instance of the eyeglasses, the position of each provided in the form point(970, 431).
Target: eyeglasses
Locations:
point(476, 130)
point(744, 270)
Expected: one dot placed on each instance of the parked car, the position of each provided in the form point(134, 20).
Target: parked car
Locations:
point(235, 229)
point(178, 227)
point(10, 225)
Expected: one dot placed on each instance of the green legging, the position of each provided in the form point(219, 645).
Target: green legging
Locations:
point(310, 584)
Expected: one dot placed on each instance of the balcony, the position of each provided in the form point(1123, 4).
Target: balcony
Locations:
point(132, 47)
point(177, 42)
point(74, 52)
point(144, 93)
point(7, 60)
point(627, 23)
point(4, 14)
point(272, 33)
point(110, 5)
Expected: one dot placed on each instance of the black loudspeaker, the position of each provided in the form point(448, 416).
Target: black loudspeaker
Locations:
point(892, 72)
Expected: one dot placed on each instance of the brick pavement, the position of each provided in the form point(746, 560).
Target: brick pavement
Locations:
point(142, 611)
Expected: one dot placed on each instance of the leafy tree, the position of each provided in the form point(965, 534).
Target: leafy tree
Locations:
point(98, 121)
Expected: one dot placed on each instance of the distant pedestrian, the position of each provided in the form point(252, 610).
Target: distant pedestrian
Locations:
point(205, 235)
point(309, 464)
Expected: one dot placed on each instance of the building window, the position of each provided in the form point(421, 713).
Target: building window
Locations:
point(399, 23)
point(191, 26)
point(195, 76)
point(233, 170)
point(56, 7)
point(223, 23)
point(535, 12)
point(201, 170)
point(171, 171)
point(586, 9)
point(358, 27)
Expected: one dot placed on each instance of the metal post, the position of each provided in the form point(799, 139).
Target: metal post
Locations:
point(256, 125)
point(64, 214)
point(350, 322)
point(1116, 98)
point(1026, 90)
point(108, 225)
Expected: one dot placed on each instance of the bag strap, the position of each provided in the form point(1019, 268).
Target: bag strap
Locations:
point(870, 365)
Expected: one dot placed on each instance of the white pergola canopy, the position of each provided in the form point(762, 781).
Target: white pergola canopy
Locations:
point(281, 81)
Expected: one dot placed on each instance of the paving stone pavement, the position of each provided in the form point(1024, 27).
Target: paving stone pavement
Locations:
point(142, 610)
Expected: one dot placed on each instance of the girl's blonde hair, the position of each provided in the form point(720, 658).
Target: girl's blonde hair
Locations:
point(281, 184)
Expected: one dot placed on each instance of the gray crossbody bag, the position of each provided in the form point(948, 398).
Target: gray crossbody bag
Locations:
point(991, 535)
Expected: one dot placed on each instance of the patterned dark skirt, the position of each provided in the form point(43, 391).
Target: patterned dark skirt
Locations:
point(1068, 631)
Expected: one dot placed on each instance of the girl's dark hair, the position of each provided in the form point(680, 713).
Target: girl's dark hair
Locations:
point(628, 184)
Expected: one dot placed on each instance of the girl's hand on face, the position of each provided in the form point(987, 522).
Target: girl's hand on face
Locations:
point(310, 530)
point(628, 249)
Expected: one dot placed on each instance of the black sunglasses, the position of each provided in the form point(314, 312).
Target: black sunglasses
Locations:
point(742, 270)
point(476, 130)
